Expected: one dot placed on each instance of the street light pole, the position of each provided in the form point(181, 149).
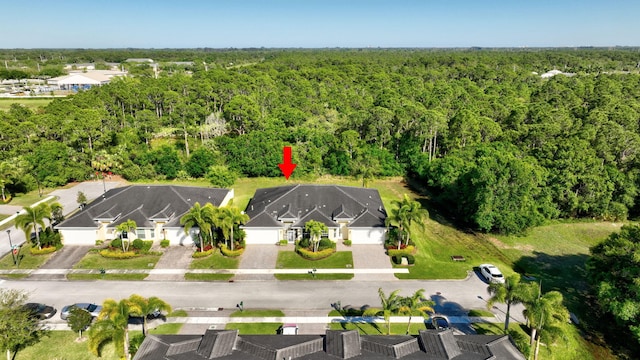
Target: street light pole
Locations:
point(11, 246)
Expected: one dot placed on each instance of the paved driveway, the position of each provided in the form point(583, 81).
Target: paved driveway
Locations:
point(369, 257)
point(258, 257)
point(64, 258)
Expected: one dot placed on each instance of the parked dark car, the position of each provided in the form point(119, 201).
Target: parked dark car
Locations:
point(440, 322)
point(93, 309)
point(40, 311)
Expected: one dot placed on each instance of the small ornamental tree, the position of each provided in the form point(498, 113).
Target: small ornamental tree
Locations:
point(315, 230)
point(79, 320)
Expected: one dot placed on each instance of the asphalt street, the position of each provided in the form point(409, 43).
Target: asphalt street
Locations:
point(451, 297)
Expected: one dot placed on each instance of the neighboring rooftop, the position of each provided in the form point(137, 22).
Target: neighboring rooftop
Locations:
point(335, 344)
point(145, 204)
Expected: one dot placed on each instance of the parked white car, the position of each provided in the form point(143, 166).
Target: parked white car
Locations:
point(491, 273)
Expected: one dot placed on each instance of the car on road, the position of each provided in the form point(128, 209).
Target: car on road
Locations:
point(40, 311)
point(440, 322)
point(93, 309)
point(491, 273)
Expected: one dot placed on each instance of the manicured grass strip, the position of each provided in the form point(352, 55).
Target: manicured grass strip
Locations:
point(166, 329)
point(317, 276)
point(291, 260)
point(257, 313)
point(63, 345)
point(178, 313)
point(30, 198)
point(208, 277)
point(95, 261)
point(254, 328)
point(378, 328)
point(215, 261)
point(480, 313)
point(107, 276)
point(27, 261)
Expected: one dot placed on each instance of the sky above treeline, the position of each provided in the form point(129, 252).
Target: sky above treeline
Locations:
point(318, 23)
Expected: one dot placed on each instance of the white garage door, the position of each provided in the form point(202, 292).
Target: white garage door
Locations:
point(262, 236)
point(79, 237)
point(367, 236)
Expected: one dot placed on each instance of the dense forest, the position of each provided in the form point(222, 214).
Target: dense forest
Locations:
point(501, 147)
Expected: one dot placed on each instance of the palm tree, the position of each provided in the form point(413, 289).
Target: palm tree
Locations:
point(545, 313)
point(201, 217)
point(416, 303)
point(128, 227)
point(390, 305)
point(147, 307)
point(512, 292)
point(32, 217)
point(113, 324)
point(396, 216)
point(411, 211)
point(228, 218)
point(315, 229)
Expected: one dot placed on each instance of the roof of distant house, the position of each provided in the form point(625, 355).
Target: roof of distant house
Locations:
point(145, 204)
point(335, 344)
point(297, 204)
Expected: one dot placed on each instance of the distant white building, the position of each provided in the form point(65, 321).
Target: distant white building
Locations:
point(83, 80)
point(555, 72)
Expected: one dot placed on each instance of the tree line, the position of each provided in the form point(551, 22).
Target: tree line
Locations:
point(499, 147)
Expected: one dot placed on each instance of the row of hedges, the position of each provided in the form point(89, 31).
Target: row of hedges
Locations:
point(118, 254)
point(409, 250)
point(397, 259)
point(136, 244)
point(45, 250)
point(230, 253)
point(310, 255)
point(202, 254)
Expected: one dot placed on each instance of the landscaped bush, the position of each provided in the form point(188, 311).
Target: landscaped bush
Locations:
point(347, 242)
point(310, 255)
point(397, 259)
point(118, 254)
point(305, 243)
point(230, 253)
point(45, 250)
point(137, 244)
point(411, 259)
point(283, 243)
point(49, 237)
point(206, 248)
point(326, 244)
point(99, 242)
point(116, 243)
point(165, 243)
point(409, 250)
point(146, 246)
point(202, 254)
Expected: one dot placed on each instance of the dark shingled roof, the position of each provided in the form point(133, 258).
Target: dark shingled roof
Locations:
point(143, 203)
point(324, 203)
point(428, 345)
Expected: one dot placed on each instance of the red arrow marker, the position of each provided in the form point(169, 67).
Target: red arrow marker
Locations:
point(287, 167)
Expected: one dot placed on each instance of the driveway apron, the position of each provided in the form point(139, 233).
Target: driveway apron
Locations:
point(369, 257)
point(64, 258)
point(258, 257)
point(174, 257)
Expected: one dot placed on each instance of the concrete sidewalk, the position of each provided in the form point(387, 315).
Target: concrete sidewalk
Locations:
point(42, 271)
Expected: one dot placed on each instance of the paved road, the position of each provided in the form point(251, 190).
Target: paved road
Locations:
point(66, 197)
point(452, 297)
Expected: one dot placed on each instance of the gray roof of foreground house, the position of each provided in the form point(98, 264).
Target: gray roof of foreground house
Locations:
point(144, 204)
point(335, 344)
point(297, 204)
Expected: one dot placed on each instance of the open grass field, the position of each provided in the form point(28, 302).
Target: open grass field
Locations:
point(63, 345)
point(33, 104)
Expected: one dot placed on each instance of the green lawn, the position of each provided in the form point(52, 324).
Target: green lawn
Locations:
point(63, 345)
point(257, 313)
point(29, 198)
point(95, 261)
point(378, 328)
point(214, 261)
point(254, 328)
point(291, 260)
point(166, 329)
point(31, 103)
point(27, 261)
point(107, 276)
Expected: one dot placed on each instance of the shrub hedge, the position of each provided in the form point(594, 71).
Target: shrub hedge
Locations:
point(118, 254)
point(310, 255)
point(202, 254)
point(164, 243)
point(409, 250)
point(45, 250)
point(347, 242)
point(230, 253)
